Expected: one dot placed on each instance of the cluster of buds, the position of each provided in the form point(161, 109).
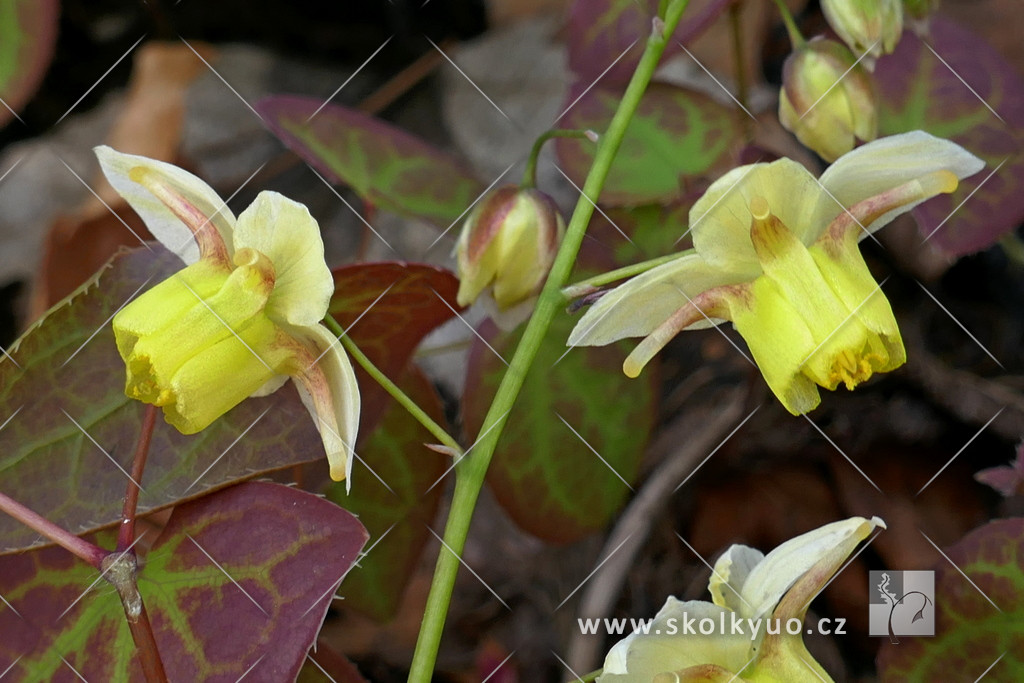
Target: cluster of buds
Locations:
point(828, 97)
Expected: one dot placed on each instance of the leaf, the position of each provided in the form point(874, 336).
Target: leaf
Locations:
point(970, 633)
point(66, 370)
point(28, 34)
point(385, 165)
point(675, 135)
point(620, 237)
point(395, 502)
point(918, 91)
point(607, 37)
point(390, 307)
point(281, 552)
point(548, 480)
point(1008, 479)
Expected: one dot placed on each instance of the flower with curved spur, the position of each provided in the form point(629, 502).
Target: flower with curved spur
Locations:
point(747, 633)
point(775, 252)
point(242, 316)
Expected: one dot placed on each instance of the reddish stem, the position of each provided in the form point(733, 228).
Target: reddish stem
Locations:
point(126, 535)
point(145, 645)
point(73, 544)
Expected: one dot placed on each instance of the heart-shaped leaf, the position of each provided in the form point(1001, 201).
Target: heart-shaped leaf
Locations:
point(28, 33)
point(956, 86)
point(69, 431)
point(396, 499)
point(237, 584)
point(387, 309)
point(979, 613)
point(675, 135)
point(385, 165)
point(572, 444)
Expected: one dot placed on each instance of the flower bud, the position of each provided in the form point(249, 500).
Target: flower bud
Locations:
point(827, 99)
point(872, 26)
point(508, 243)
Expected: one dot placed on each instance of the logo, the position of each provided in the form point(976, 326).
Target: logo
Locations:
point(901, 603)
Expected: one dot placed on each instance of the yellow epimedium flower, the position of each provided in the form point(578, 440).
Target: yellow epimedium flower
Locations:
point(752, 630)
point(775, 252)
point(241, 317)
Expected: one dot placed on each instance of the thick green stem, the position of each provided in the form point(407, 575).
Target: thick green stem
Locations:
point(472, 469)
point(530, 173)
point(396, 393)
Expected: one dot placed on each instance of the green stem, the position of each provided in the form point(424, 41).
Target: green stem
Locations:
point(396, 393)
point(591, 284)
point(530, 173)
point(592, 676)
point(472, 469)
point(795, 37)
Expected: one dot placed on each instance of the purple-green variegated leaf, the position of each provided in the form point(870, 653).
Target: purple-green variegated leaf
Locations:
point(571, 447)
point(676, 136)
point(607, 37)
point(397, 498)
point(236, 586)
point(957, 87)
point(69, 430)
point(385, 165)
point(28, 33)
point(979, 614)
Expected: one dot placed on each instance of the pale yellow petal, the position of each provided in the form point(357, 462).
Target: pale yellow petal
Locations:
point(720, 220)
point(641, 657)
point(159, 219)
point(327, 384)
point(287, 234)
point(890, 162)
point(729, 574)
point(787, 564)
point(637, 307)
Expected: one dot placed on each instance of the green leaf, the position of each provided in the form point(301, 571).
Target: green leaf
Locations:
point(971, 632)
point(571, 447)
point(28, 33)
point(623, 236)
point(675, 135)
point(385, 165)
point(919, 89)
point(396, 500)
point(68, 426)
point(281, 552)
point(387, 309)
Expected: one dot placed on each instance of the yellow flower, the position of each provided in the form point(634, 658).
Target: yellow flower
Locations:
point(507, 246)
point(241, 317)
point(747, 633)
point(776, 253)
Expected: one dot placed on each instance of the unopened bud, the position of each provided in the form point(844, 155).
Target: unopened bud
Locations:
point(872, 26)
point(508, 243)
point(827, 99)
